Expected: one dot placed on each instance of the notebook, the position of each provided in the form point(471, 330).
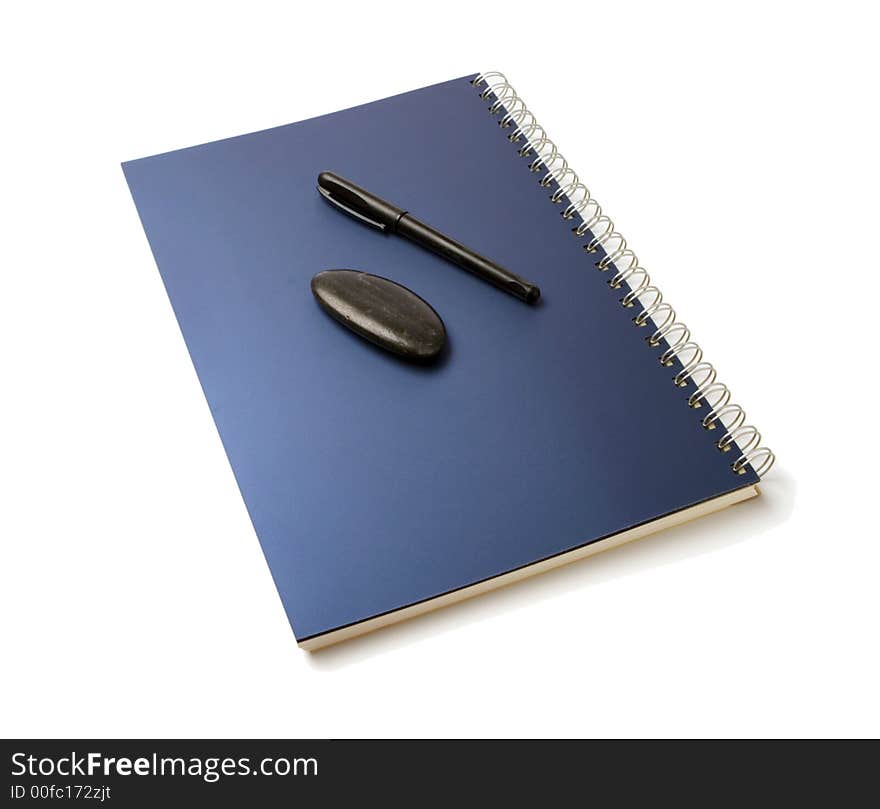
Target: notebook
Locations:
point(381, 489)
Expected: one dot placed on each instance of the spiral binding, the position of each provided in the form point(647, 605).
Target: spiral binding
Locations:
point(627, 270)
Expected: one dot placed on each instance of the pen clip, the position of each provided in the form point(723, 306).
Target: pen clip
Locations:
point(350, 211)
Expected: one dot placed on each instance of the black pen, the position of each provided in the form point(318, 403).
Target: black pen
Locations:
point(388, 218)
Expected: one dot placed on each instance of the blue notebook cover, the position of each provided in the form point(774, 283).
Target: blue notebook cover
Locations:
point(374, 485)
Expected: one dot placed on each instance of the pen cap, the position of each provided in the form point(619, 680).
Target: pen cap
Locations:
point(359, 203)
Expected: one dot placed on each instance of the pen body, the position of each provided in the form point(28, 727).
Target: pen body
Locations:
point(417, 231)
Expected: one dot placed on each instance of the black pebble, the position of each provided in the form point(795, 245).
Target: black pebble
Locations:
point(381, 311)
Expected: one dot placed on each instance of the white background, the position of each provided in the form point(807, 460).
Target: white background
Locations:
point(735, 146)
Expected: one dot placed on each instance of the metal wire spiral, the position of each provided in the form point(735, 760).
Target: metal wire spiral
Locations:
point(545, 157)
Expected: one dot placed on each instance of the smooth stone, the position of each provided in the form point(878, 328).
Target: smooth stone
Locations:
point(381, 311)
